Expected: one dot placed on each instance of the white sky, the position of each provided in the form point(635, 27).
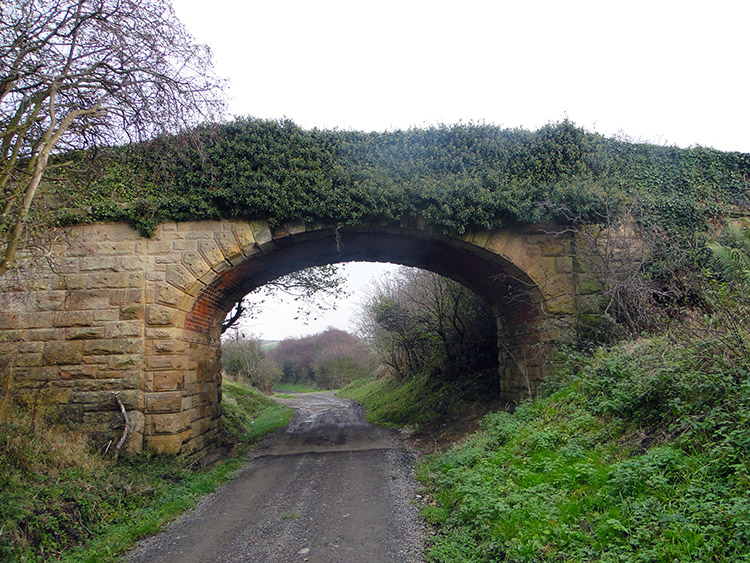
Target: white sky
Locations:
point(663, 71)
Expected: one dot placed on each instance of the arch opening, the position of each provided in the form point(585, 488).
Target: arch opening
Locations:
point(515, 299)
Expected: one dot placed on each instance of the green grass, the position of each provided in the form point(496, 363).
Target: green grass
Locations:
point(61, 501)
point(249, 414)
point(641, 454)
point(290, 516)
point(296, 388)
point(420, 401)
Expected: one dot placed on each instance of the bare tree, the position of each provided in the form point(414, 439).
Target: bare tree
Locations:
point(77, 73)
point(422, 320)
point(313, 288)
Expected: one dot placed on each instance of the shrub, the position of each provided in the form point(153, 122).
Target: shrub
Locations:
point(245, 360)
point(328, 360)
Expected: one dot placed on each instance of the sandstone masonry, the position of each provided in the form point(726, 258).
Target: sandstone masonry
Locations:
point(107, 311)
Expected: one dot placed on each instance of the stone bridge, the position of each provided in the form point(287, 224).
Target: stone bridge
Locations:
point(109, 311)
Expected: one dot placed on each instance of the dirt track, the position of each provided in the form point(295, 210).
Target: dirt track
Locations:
point(330, 488)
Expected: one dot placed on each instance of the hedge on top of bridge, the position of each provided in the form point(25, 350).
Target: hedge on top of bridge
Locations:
point(454, 176)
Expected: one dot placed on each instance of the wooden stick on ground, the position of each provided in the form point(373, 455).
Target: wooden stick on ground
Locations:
point(119, 445)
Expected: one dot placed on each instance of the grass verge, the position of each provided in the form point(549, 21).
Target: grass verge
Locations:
point(641, 454)
point(61, 501)
point(432, 407)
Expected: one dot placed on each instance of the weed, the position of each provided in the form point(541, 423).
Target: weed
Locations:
point(290, 516)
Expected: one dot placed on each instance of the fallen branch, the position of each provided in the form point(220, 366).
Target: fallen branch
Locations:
point(119, 445)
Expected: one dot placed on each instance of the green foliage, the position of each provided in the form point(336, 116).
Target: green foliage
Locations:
point(327, 360)
point(733, 258)
point(245, 359)
point(248, 414)
point(421, 401)
point(294, 388)
point(63, 501)
point(455, 177)
point(641, 454)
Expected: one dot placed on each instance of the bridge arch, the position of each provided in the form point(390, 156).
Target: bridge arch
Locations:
point(141, 317)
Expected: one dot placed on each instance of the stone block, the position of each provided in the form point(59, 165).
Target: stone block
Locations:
point(555, 247)
point(111, 263)
point(166, 362)
point(227, 243)
point(564, 264)
point(166, 444)
point(125, 361)
point(125, 296)
point(171, 423)
point(159, 247)
point(243, 232)
point(114, 280)
point(161, 402)
point(70, 282)
point(131, 312)
point(73, 319)
point(45, 319)
point(168, 295)
point(168, 347)
point(211, 253)
point(184, 245)
point(106, 315)
point(8, 321)
point(163, 333)
point(288, 228)
point(111, 346)
point(589, 285)
point(62, 352)
point(124, 328)
point(29, 360)
point(169, 380)
point(114, 248)
point(86, 333)
point(179, 277)
point(564, 305)
point(194, 261)
point(50, 300)
point(81, 300)
point(158, 315)
point(498, 242)
point(557, 285)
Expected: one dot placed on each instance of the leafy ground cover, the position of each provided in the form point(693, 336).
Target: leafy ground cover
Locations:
point(61, 501)
point(639, 453)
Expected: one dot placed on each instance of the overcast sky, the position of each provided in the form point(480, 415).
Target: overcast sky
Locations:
point(667, 72)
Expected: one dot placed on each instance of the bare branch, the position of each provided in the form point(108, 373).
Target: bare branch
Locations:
point(77, 73)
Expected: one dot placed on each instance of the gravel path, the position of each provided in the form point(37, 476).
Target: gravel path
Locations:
point(330, 488)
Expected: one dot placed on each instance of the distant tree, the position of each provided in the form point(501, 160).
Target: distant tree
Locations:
point(330, 359)
point(245, 359)
point(80, 73)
